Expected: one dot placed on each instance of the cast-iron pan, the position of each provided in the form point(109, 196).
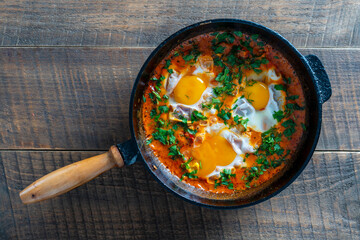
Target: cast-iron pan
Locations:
point(315, 84)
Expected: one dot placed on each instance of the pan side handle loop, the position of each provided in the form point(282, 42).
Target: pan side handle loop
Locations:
point(321, 78)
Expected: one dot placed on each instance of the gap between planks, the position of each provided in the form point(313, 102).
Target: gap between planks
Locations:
point(153, 47)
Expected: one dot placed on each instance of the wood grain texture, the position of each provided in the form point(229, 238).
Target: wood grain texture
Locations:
point(78, 98)
point(306, 23)
point(127, 203)
point(71, 96)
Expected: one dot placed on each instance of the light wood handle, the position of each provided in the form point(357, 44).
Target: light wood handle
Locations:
point(71, 176)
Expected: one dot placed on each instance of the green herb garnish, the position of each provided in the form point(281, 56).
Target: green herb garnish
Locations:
point(240, 120)
point(219, 49)
point(166, 137)
point(174, 151)
point(224, 114)
point(293, 97)
point(279, 115)
point(196, 116)
point(190, 175)
point(224, 179)
point(280, 87)
point(163, 109)
point(238, 33)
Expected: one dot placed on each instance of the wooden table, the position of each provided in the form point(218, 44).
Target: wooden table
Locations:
point(66, 72)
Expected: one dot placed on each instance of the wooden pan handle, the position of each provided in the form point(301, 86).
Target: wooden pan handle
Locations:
point(71, 176)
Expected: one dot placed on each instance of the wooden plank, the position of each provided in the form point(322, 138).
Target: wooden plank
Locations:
point(37, 85)
point(78, 98)
point(323, 203)
point(341, 114)
point(6, 211)
point(306, 23)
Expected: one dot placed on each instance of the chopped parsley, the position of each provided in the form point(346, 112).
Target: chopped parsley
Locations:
point(188, 58)
point(280, 87)
point(254, 37)
point(293, 106)
point(240, 120)
point(193, 55)
point(186, 165)
point(191, 131)
point(224, 179)
point(228, 87)
point(166, 137)
point(257, 71)
point(293, 97)
point(238, 33)
point(287, 80)
point(190, 175)
point(196, 116)
point(164, 109)
point(269, 155)
point(224, 114)
point(157, 95)
point(167, 64)
point(153, 113)
point(290, 128)
point(279, 115)
point(219, 49)
point(223, 37)
point(174, 151)
point(215, 102)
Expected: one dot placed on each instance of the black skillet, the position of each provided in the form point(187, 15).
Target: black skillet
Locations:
point(315, 84)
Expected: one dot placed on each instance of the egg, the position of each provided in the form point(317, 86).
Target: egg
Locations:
point(268, 76)
point(260, 118)
point(189, 88)
point(204, 68)
point(279, 97)
point(178, 111)
point(214, 151)
point(253, 76)
point(221, 149)
point(239, 143)
point(272, 76)
point(259, 93)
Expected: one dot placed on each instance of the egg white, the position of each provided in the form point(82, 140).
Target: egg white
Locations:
point(171, 83)
point(260, 120)
point(240, 144)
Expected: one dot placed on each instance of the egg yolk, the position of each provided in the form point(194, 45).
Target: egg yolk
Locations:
point(257, 94)
point(214, 151)
point(189, 90)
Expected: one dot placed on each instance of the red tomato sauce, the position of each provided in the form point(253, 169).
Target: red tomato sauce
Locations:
point(241, 53)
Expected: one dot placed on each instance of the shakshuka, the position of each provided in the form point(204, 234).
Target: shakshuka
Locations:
point(224, 111)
